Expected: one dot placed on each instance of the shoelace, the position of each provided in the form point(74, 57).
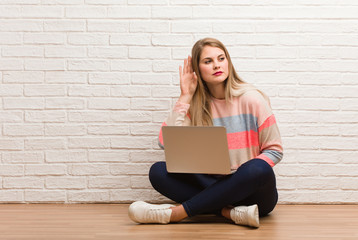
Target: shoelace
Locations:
point(156, 214)
point(241, 215)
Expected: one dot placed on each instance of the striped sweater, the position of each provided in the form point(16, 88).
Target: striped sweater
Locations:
point(251, 127)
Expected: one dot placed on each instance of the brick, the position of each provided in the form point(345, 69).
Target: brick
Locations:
point(149, 53)
point(145, 129)
point(275, 52)
point(35, 90)
point(195, 27)
point(108, 52)
point(159, 117)
point(66, 183)
point(131, 91)
point(313, 12)
point(149, 104)
point(86, 12)
point(337, 143)
point(108, 129)
point(165, 92)
point(107, 26)
point(23, 130)
point(11, 38)
point(140, 182)
point(11, 64)
point(44, 144)
point(146, 156)
point(18, 51)
point(11, 116)
point(348, 53)
point(109, 182)
point(314, 103)
point(110, 78)
point(129, 12)
point(108, 156)
point(11, 170)
point(108, 103)
point(65, 103)
point(88, 39)
point(349, 104)
point(42, 11)
point(65, 52)
point(20, 25)
point(130, 195)
point(130, 168)
point(23, 103)
point(23, 183)
point(47, 64)
point(89, 91)
point(93, 196)
point(348, 183)
point(23, 77)
point(88, 65)
point(44, 38)
point(319, 53)
point(172, 12)
point(45, 196)
point(45, 169)
point(45, 116)
point(106, 2)
point(130, 39)
point(148, 26)
point(89, 143)
point(232, 27)
point(23, 157)
point(171, 40)
point(132, 142)
point(10, 90)
point(151, 78)
point(66, 156)
point(11, 196)
point(64, 25)
point(89, 169)
point(65, 130)
point(66, 77)
point(128, 116)
point(301, 40)
point(166, 66)
point(131, 65)
point(89, 116)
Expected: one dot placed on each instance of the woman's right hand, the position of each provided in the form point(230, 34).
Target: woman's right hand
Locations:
point(188, 81)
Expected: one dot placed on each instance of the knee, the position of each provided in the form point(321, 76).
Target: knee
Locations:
point(261, 169)
point(156, 171)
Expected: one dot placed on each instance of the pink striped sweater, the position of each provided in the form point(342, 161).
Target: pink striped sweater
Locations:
point(251, 127)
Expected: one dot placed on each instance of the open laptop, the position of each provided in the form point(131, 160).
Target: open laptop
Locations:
point(196, 149)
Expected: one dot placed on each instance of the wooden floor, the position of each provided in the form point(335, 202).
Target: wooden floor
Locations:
point(110, 221)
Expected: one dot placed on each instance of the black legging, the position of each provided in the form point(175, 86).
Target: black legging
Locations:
point(254, 182)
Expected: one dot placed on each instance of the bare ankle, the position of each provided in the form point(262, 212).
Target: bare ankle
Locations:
point(226, 212)
point(178, 214)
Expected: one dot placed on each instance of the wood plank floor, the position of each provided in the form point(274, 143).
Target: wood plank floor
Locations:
point(110, 221)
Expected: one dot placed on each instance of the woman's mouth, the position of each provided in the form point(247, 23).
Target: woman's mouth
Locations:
point(218, 73)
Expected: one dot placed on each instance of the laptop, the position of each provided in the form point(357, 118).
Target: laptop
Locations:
point(190, 149)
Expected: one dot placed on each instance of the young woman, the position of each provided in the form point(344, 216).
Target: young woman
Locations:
point(213, 94)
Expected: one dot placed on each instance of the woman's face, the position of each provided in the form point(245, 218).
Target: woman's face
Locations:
point(213, 66)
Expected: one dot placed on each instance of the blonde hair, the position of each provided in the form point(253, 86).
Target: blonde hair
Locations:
point(200, 110)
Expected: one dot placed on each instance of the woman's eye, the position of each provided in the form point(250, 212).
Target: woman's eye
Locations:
point(222, 59)
point(208, 61)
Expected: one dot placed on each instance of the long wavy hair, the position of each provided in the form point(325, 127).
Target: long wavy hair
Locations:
point(200, 110)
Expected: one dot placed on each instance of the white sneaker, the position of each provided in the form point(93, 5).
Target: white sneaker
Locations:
point(142, 212)
point(243, 215)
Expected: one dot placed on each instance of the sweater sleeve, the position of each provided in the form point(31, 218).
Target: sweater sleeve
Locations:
point(177, 117)
point(270, 143)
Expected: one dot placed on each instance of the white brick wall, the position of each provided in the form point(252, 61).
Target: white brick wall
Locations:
point(85, 85)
